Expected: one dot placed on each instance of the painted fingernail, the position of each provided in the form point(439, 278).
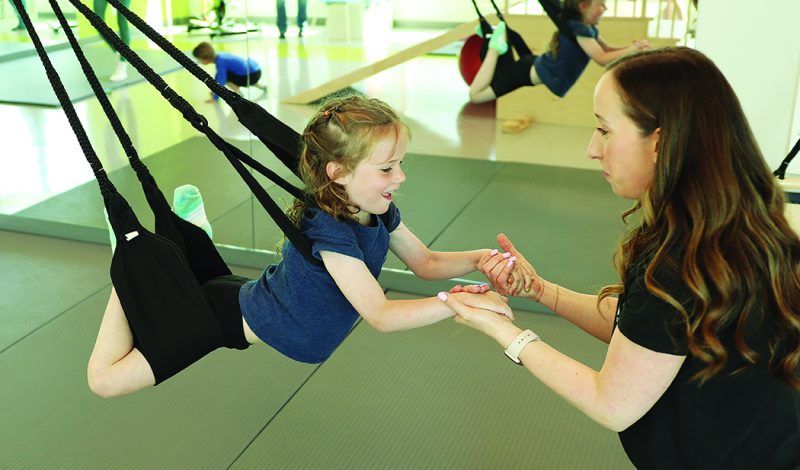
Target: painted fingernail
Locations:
point(493, 252)
point(442, 296)
point(506, 255)
point(511, 262)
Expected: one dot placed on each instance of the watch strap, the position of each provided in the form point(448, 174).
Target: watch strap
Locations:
point(519, 343)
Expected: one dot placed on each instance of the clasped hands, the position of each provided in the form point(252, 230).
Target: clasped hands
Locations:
point(509, 273)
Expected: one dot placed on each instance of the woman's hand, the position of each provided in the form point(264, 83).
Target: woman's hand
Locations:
point(510, 273)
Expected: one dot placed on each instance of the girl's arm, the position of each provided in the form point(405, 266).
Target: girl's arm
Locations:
point(365, 294)
point(427, 264)
point(595, 50)
point(631, 380)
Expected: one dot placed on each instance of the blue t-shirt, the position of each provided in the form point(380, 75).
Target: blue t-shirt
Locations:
point(229, 63)
point(295, 306)
point(560, 73)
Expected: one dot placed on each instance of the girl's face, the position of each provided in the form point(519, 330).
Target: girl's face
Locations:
point(592, 11)
point(628, 160)
point(373, 181)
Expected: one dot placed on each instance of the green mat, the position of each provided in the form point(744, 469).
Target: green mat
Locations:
point(442, 396)
point(25, 82)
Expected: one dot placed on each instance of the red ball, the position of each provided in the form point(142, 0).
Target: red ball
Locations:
point(469, 58)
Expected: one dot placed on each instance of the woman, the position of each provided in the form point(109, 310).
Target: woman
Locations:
point(704, 336)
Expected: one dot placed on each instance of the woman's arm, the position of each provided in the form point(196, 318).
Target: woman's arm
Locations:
point(580, 309)
point(365, 294)
point(631, 380)
point(597, 52)
point(428, 264)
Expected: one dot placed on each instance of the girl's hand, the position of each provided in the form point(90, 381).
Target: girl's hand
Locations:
point(641, 44)
point(488, 301)
point(485, 321)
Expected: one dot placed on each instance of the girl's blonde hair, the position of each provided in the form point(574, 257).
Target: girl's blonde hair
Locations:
point(570, 10)
point(344, 130)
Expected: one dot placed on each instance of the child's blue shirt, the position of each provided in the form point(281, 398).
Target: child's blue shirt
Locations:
point(229, 63)
point(559, 74)
point(295, 306)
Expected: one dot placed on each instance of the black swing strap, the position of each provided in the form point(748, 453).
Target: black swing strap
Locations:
point(281, 139)
point(512, 36)
point(234, 155)
point(554, 10)
point(203, 258)
point(106, 187)
point(781, 171)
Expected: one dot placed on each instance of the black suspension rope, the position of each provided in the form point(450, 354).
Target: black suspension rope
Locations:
point(781, 171)
point(282, 140)
point(106, 187)
point(234, 155)
point(136, 163)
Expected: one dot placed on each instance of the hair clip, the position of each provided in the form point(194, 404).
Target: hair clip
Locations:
point(326, 113)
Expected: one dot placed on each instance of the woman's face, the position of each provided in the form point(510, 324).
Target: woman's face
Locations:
point(627, 159)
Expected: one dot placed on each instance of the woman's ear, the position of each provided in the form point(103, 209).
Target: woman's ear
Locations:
point(656, 136)
point(336, 172)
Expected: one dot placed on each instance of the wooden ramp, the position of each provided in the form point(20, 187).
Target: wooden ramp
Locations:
point(459, 32)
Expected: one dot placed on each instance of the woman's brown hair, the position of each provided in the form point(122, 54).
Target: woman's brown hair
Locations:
point(714, 199)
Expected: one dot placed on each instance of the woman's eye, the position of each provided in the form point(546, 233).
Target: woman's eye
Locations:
point(386, 170)
point(601, 131)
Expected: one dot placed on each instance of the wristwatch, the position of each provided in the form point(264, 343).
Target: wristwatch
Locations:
point(518, 343)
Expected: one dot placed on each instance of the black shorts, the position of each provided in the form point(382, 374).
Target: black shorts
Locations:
point(223, 294)
point(244, 80)
point(510, 74)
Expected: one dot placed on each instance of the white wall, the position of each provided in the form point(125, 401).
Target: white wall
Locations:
point(757, 47)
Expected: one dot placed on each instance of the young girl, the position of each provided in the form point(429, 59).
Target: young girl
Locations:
point(351, 165)
point(703, 328)
point(576, 41)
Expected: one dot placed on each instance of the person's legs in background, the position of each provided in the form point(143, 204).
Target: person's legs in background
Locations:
point(281, 6)
point(20, 26)
point(99, 7)
point(302, 15)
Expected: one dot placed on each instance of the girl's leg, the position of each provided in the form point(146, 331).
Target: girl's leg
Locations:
point(115, 366)
point(480, 90)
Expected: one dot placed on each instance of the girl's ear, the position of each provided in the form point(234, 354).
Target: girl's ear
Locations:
point(336, 172)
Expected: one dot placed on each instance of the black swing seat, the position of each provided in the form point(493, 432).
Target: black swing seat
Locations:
point(172, 322)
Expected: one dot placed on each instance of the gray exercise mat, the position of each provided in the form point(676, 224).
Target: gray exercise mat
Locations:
point(25, 81)
point(442, 396)
point(32, 266)
point(201, 418)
